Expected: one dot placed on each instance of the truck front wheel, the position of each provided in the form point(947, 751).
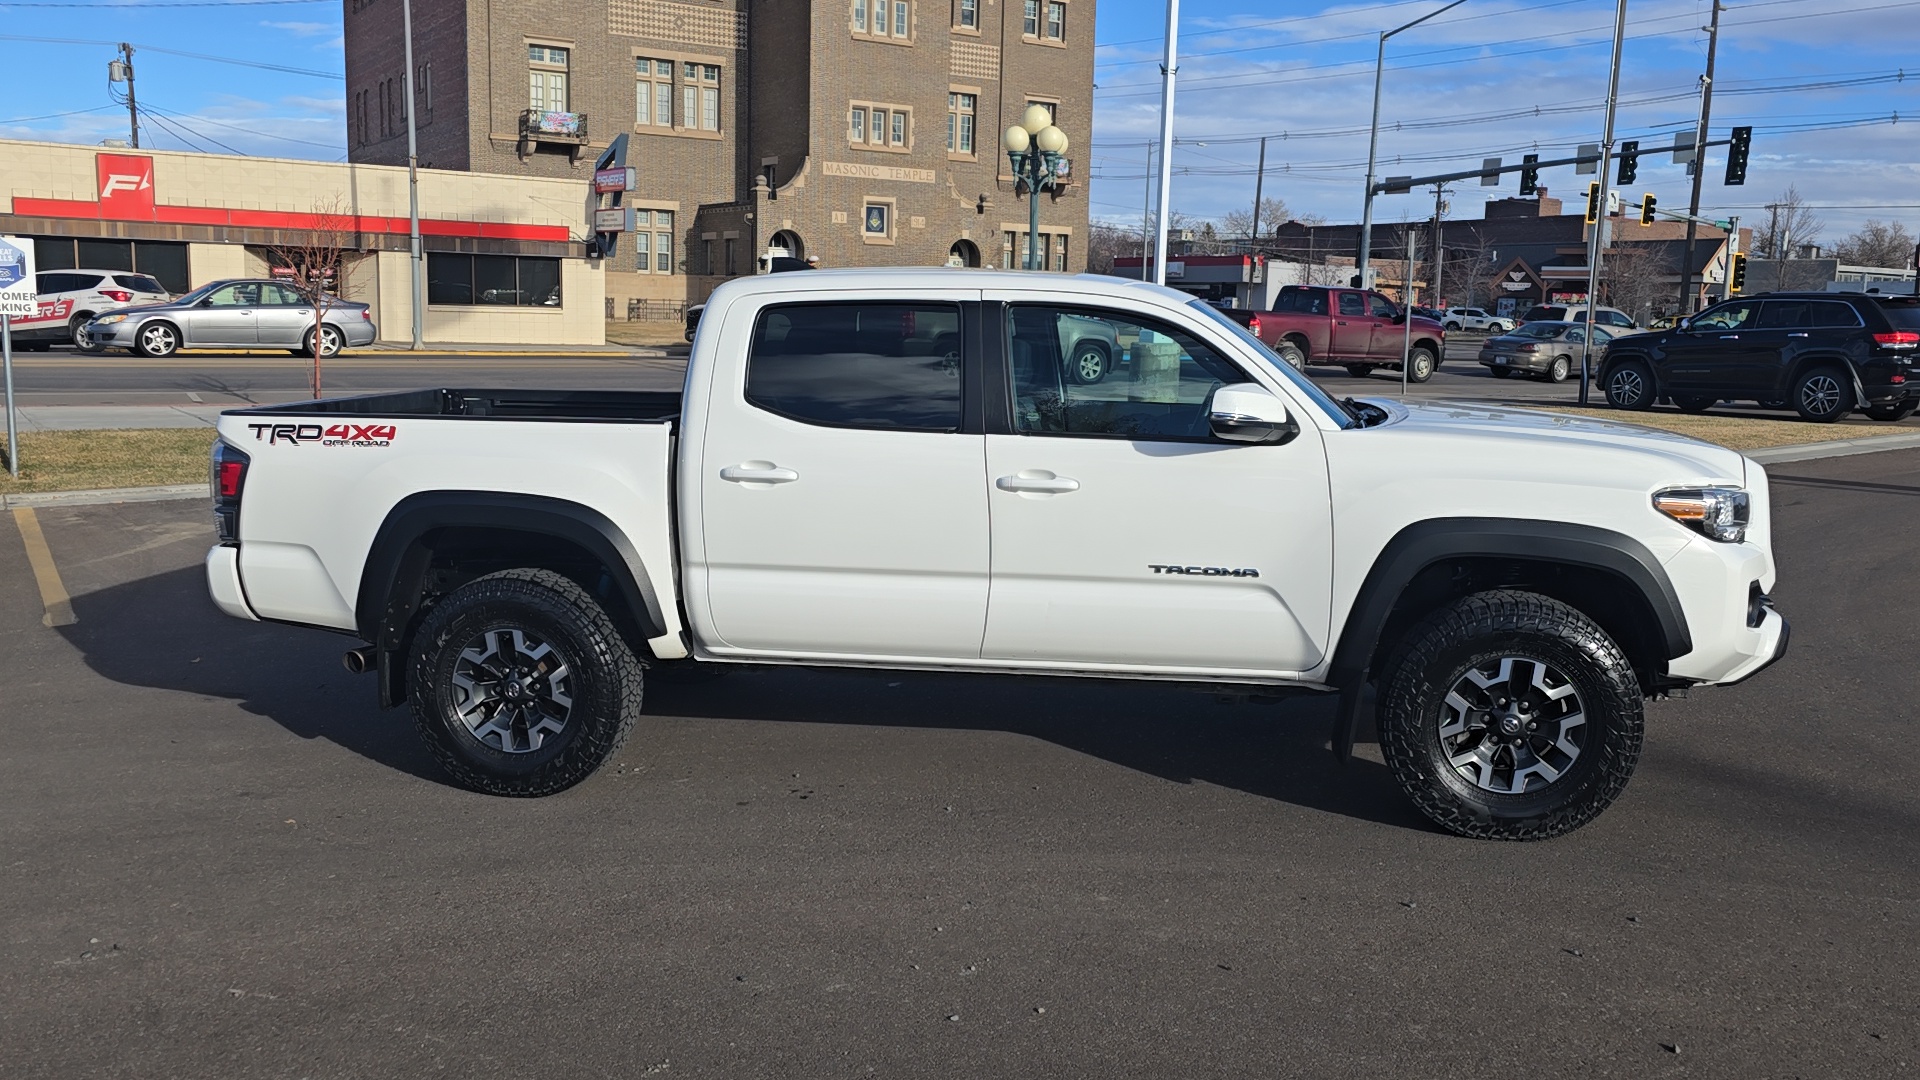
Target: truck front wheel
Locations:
point(1420, 365)
point(521, 685)
point(1510, 716)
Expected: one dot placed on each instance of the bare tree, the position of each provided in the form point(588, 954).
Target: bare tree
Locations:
point(1239, 223)
point(1787, 224)
point(1638, 276)
point(313, 264)
point(1877, 244)
point(1107, 242)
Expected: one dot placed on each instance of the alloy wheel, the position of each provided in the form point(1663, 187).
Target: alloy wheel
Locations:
point(1512, 725)
point(158, 340)
point(1820, 394)
point(513, 690)
point(1626, 387)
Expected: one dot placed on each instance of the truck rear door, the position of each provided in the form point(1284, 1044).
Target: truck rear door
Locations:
point(841, 505)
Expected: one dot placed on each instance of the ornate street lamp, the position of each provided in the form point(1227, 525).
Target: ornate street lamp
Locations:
point(1034, 147)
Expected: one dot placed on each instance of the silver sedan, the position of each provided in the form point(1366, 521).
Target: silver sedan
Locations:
point(252, 313)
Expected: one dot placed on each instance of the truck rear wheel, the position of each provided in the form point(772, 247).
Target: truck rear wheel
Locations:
point(1291, 355)
point(1510, 716)
point(521, 685)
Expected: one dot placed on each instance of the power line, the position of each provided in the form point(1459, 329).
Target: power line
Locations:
point(178, 52)
point(53, 116)
point(174, 120)
point(263, 134)
point(149, 5)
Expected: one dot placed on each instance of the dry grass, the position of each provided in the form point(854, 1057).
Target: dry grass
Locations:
point(82, 460)
point(1734, 432)
point(654, 332)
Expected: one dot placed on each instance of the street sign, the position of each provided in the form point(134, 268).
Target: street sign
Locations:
point(617, 178)
point(613, 219)
point(17, 294)
point(1397, 185)
point(1588, 168)
point(1683, 149)
point(1490, 177)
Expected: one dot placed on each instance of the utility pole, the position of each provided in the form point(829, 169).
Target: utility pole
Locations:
point(1602, 222)
point(1773, 231)
point(1687, 290)
point(1365, 255)
point(133, 110)
point(1439, 259)
point(1168, 69)
point(418, 256)
point(1259, 177)
point(1146, 215)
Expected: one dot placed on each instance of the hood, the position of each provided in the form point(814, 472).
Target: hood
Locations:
point(1558, 441)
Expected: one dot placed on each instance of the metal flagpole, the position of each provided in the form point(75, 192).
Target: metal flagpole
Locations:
point(1168, 68)
point(1602, 221)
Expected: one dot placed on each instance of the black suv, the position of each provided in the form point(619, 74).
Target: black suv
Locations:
point(1823, 354)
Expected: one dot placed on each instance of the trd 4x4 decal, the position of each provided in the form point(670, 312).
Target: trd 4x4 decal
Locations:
point(329, 435)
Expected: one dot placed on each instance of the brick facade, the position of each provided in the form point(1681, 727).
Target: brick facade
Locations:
point(781, 168)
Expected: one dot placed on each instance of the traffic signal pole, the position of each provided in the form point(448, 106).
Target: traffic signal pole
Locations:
point(1687, 290)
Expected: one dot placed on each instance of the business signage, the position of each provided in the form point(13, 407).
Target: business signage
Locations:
point(618, 178)
point(18, 295)
point(612, 220)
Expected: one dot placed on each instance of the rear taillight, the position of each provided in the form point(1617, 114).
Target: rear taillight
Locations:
point(366, 314)
point(228, 480)
point(1899, 339)
point(1253, 325)
point(118, 296)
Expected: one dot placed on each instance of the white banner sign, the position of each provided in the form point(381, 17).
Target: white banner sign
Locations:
point(17, 293)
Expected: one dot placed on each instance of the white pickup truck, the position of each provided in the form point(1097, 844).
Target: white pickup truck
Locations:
point(900, 469)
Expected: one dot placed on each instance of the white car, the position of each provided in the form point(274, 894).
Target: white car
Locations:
point(1473, 318)
point(841, 484)
point(69, 299)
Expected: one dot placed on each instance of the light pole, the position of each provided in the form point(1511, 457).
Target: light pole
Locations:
point(1373, 141)
point(413, 185)
point(1034, 147)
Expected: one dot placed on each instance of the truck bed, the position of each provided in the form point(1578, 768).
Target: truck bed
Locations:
point(651, 406)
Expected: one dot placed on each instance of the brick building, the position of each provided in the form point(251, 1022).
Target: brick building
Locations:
point(860, 132)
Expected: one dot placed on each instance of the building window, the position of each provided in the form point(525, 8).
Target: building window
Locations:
point(1056, 20)
point(546, 78)
point(878, 220)
point(1030, 19)
point(960, 112)
point(642, 254)
point(652, 92)
point(880, 127)
point(1050, 251)
point(891, 18)
point(1050, 106)
point(1008, 242)
point(857, 125)
point(967, 14)
point(733, 265)
point(488, 280)
point(900, 19)
point(1060, 254)
point(899, 121)
point(699, 96)
point(707, 251)
point(663, 242)
point(860, 16)
point(426, 91)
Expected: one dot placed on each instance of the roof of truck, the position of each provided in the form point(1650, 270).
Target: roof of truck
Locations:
point(943, 277)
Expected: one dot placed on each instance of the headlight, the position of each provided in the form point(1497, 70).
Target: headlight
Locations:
point(1717, 513)
point(105, 319)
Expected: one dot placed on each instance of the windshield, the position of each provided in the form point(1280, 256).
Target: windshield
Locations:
point(1300, 382)
point(194, 296)
point(1540, 330)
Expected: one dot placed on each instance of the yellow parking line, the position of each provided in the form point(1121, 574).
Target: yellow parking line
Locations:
point(53, 593)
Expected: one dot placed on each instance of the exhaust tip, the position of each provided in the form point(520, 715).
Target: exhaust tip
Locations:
point(361, 660)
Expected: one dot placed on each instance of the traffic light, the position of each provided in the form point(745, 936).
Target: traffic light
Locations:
point(1593, 202)
point(1737, 156)
point(1629, 161)
point(1529, 174)
point(1737, 273)
point(1646, 208)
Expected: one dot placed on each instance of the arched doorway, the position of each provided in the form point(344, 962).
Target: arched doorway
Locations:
point(786, 243)
point(963, 253)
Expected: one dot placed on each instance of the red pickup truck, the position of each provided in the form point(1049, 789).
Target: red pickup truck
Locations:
point(1355, 328)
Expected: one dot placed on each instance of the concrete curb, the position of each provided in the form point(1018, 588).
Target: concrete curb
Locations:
point(100, 496)
point(1836, 448)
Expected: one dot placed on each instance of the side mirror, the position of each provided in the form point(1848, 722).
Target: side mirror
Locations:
point(1250, 413)
point(205, 301)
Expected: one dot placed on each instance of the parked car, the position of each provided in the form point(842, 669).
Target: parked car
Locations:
point(828, 490)
point(1430, 313)
point(693, 319)
point(1550, 350)
point(69, 299)
point(1664, 322)
point(1473, 318)
point(1358, 329)
point(248, 312)
point(1823, 354)
point(1618, 320)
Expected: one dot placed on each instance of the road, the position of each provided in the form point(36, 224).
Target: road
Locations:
point(221, 859)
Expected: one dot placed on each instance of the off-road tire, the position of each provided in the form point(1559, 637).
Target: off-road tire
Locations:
point(1823, 395)
point(1893, 412)
point(1358, 371)
point(1431, 658)
point(604, 678)
point(1291, 355)
point(1629, 385)
point(1421, 365)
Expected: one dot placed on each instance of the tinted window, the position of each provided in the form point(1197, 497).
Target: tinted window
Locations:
point(48, 284)
point(1906, 316)
point(1307, 301)
point(1351, 304)
point(1783, 314)
point(1737, 316)
point(138, 283)
point(1382, 307)
point(1156, 385)
point(240, 294)
point(883, 366)
point(1836, 313)
point(1544, 313)
point(1612, 318)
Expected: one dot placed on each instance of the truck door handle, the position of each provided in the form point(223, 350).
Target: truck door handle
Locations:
point(758, 472)
point(1037, 481)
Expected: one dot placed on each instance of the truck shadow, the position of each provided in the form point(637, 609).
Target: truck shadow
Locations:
point(163, 632)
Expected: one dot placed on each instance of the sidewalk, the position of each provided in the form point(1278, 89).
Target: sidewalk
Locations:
point(104, 417)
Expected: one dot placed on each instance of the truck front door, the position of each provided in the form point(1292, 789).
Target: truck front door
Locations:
point(1124, 534)
point(841, 508)
point(1352, 326)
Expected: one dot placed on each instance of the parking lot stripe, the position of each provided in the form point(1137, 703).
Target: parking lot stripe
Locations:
point(53, 592)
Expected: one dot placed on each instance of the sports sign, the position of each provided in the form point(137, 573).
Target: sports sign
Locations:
point(18, 296)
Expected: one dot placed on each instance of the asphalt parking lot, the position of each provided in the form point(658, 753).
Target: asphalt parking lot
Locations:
point(220, 859)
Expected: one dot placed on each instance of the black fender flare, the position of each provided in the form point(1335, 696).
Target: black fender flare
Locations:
point(1425, 543)
point(397, 563)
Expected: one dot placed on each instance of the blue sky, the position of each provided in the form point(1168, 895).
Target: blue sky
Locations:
point(1818, 79)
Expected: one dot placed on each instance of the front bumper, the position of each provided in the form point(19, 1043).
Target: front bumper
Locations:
point(120, 335)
